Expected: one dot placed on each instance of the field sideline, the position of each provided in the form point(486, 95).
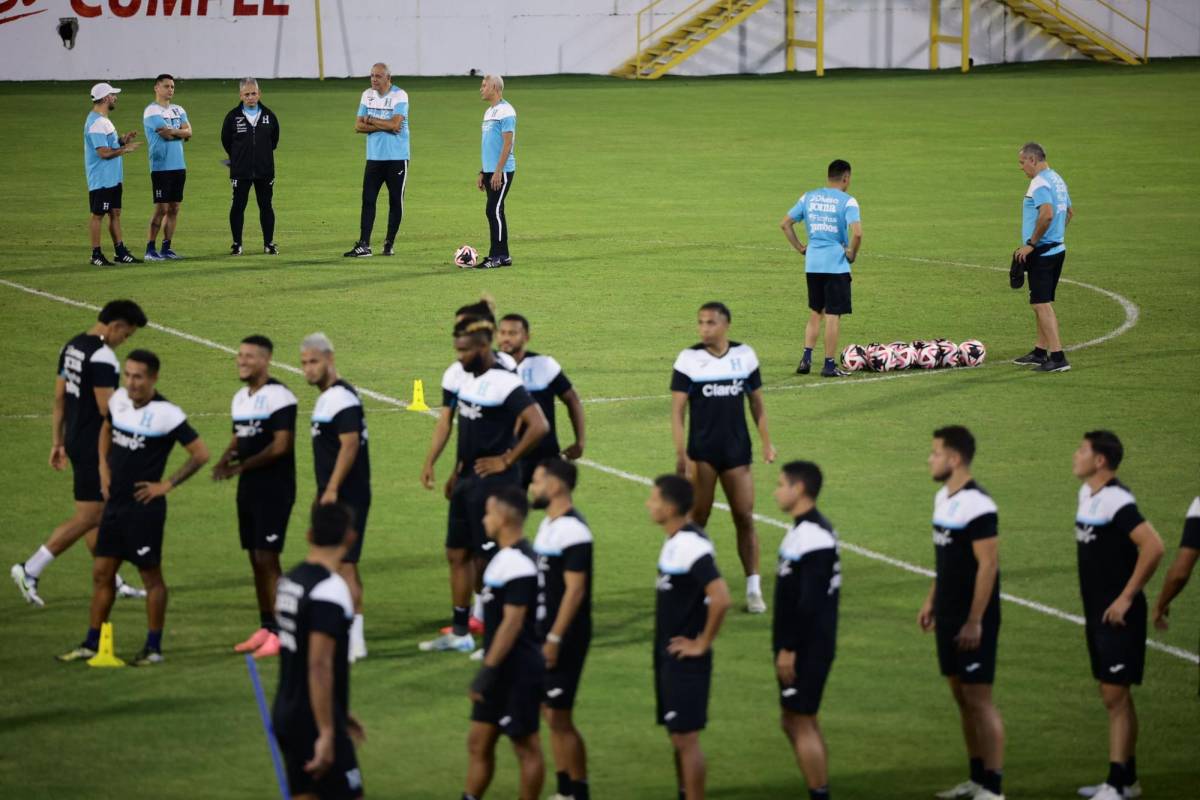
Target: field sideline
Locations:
point(634, 203)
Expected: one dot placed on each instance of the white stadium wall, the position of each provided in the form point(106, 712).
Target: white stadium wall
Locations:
point(277, 38)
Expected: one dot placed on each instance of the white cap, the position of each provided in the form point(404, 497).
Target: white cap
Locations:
point(103, 90)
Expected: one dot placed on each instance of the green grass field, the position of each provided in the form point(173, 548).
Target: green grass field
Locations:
point(633, 204)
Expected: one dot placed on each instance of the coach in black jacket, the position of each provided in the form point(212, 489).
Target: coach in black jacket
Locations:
point(250, 135)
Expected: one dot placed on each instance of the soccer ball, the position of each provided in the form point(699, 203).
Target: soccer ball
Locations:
point(947, 353)
point(971, 353)
point(919, 344)
point(882, 358)
point(854, 358)
point(905, 355)
point(466, 257)
point(871, 350)
point(927, 355)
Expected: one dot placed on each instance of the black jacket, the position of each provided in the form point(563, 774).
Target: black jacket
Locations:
point(251, 148)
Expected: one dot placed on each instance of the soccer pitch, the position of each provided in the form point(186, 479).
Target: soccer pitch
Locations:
point(634, 204)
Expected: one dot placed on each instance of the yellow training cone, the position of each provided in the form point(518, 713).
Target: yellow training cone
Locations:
point(104, 656)
point(418, 401)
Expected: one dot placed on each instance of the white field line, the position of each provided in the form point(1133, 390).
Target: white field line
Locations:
point(641, 479)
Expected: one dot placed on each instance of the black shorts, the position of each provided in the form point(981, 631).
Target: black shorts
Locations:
point(102, 201)
point(681, 693)
point(803, 695)
point(562, 682)
point(85, 469)
point(969, 666)
point(1044, 272)
point(361, 507)
point(514, 707)
point(829, 292)
point(464, 528)
point(168, 185)
point(262, 522)
point(726, 460)
point(343, 781)
point(1118, 654)
point(133, 532)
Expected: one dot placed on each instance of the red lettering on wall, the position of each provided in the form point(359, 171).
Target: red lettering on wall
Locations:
point(274, 8)
point(84, 9)
point(124, 9)
point(245, 8)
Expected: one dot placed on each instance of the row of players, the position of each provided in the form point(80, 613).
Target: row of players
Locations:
point(138, 428)
point(250, 135)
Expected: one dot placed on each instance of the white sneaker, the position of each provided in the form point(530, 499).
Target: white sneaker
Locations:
point(984, 794)
point(1098, 791)
point(27, 585)
point(448, 641)
point(755, 604)
point(477, 655)
point(963, 790)
point(130, 592)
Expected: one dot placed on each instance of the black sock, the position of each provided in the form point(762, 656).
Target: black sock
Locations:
point(682, 795)
point(1058, 356)
point(459, 623)
point(829, 363)
point(1131, 770)
point(564, 783)
point(150, 245)
point(991, 781)
point(579, 790)
point(977, 771)
point(120, 247)
point(1040, 352)
point(1116, 776)
point(96, 251)
point(267, 620)
point(819, 794)
point(807, 354)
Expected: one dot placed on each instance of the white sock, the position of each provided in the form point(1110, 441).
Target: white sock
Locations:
point(357, 640)
point(477, 608)
point(38, 562)
point(753, 584)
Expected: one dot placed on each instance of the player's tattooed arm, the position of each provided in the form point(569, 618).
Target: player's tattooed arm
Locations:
point(146, 491)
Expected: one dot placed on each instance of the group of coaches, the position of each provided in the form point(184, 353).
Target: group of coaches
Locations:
point(250, 135)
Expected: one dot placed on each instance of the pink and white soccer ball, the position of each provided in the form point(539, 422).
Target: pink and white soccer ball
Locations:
point(872, 349)
point(466, 257)
point(882, 358)
point(947, 353)
point(854, 358)
point(928, 355)
point(905, 355)
point(971, 353)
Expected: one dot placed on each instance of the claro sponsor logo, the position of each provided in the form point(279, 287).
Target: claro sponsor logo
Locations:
point(167, 8)
point(18, 10)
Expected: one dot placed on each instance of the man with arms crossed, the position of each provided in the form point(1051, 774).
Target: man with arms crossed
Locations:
point(383, 117)
point(87, 378)
point(167, 128)
point(963, 606)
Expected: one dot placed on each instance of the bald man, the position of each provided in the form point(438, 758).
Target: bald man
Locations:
point(383, 117)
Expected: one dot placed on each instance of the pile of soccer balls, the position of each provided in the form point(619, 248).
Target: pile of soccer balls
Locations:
point(934, 354)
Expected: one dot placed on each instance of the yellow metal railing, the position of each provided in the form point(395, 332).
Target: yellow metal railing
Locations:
point(817, 44)
point(652, 31)
point(1110, 42)
point(936, 37)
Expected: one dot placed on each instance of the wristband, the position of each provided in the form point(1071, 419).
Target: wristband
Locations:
point(485, 679)
point(553, 638)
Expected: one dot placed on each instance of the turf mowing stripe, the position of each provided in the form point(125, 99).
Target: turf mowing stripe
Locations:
point(1131, 317)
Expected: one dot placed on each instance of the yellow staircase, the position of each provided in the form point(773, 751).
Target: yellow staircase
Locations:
point(1057, 19)
point(663, 46)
